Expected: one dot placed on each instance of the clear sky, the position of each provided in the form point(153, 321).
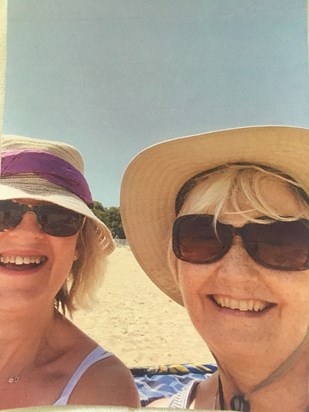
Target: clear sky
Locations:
point(115, 76)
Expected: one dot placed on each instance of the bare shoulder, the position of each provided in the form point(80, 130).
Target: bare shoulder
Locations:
point(107, 382)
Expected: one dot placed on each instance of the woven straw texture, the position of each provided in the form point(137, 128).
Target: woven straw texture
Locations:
point(155, 176)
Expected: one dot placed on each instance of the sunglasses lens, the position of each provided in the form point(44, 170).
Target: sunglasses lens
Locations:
point(10, 215)
point(196, 241)
point(280, 245)
point(58, 221)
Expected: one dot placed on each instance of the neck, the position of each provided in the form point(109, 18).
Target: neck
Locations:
point(250, 371)
point(22, 337)
point(283, 389)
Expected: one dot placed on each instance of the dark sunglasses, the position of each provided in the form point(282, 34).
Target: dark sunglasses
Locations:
point(53, 219)
point(278, 245)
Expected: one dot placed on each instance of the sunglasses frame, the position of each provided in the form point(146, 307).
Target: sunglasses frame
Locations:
point(39, 211)
point(233, 231)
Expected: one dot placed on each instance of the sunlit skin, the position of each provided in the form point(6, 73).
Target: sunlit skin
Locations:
point(26, 307)
point(40, 284)
point(247, 343)
point(39, 344)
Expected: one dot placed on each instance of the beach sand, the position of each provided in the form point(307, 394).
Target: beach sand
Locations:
point(136, 321)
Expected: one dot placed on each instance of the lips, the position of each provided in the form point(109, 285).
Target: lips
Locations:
point(243, 305)
point(21, 262)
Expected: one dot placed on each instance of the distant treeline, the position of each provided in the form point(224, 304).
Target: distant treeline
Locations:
point(111, 217)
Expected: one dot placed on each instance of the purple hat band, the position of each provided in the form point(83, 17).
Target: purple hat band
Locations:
point(48, 166)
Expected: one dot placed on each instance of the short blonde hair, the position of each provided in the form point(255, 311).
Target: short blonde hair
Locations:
point(228, 182)
point(225, 184)
point(86, 273)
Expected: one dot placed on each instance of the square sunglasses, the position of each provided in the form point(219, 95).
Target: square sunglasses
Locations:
point(54, 220)
point(279, 245)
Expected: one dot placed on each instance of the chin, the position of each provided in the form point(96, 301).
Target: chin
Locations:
point(22, 300)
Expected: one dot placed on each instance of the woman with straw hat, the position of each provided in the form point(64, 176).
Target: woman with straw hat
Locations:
point(53, 251)
point(220, 222)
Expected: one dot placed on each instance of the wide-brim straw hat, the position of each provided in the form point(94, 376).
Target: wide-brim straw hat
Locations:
point(50, 171)
point(155, 176)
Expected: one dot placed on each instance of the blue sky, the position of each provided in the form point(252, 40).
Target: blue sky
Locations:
point(115, 76)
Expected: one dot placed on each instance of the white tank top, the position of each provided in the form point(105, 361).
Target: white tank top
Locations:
point(94, 356)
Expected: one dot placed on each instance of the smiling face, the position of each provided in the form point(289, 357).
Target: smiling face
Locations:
point(237, 305)
point(33, 264)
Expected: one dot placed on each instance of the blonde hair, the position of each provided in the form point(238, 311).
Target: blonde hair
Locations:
point(226, 185)
point(86, 273)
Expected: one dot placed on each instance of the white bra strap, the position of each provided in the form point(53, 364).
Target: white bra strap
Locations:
point(94, 356)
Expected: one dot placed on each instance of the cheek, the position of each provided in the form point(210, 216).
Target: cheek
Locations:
point(61, 263)
point(193, 281)
point(297, 299)
point(291, 291)
point(64, 250)
point(291, 287)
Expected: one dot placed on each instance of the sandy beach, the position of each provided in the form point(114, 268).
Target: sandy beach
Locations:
point(136, 321)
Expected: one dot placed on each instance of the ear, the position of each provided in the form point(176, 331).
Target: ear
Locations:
point(79, 247)
point(76, 255)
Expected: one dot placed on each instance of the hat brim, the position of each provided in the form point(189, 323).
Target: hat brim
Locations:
point(36, 188)
point(154, 177)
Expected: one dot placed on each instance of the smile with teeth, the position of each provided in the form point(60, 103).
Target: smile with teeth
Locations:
point(22, 260)
point(242, 305)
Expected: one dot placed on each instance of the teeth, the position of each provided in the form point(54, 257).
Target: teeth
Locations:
point(242, 305)
point(258, 306)
point(27, 260)
point(19, 260)
point(22, 260)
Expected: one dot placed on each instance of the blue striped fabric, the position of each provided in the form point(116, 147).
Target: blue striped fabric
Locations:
point(164, 381)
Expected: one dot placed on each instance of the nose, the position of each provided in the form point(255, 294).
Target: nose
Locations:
point(237, 262)
point(29, 226)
